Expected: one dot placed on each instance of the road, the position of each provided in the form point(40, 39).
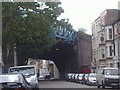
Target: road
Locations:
point(62, 84)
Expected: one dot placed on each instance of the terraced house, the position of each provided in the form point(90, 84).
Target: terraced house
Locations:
point(116, 41)
point(104, 42)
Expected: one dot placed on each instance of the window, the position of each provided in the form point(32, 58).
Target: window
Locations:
point(118, 64)
point(103, 55)
point(102, 38)
point(110, 50)
point(112, 72)
point(110, 33)
point(111, 64)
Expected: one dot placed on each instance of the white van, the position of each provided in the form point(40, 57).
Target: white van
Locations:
point(108, 77)
point(29, 72)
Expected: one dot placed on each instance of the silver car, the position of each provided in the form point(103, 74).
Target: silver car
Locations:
point(69, 76)
point(80, 78)
point(13, 81)
point(91, 79)
point(30, 73)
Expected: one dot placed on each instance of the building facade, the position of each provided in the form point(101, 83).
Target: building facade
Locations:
point(102, 40)
point(53, 70)
point(116, 40)
point(45, 67)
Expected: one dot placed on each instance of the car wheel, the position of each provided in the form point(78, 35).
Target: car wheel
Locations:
point(103, 85)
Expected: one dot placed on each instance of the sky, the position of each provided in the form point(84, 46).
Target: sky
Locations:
point(81, 13)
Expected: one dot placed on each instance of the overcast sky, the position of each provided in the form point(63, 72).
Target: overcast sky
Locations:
point(81, 13)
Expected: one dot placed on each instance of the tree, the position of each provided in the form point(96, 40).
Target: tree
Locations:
point(29, 27)
point(82, 33)
point(65, 24)
point(82, 30)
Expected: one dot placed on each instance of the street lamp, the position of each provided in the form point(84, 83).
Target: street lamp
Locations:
point(57, 49)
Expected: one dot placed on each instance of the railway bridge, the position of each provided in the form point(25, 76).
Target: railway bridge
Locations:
point(72, 53)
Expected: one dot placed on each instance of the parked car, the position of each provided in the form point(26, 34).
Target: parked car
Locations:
point(91, 79)
point(108, 77)
point(84, 78)
point(47, 76)
point(41, 77)
point(29, 71)
point(76, 77)
point(14, 81)
point(73, 77)
point(69, 76)
point(80, 78)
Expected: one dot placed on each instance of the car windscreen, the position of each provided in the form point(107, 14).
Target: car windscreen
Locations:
point(112, 72)
point(81, 75)
point(26, 71)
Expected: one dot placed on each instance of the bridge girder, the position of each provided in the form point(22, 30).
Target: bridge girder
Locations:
point(64, 34)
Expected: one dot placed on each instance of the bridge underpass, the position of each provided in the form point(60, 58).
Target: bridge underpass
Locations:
point(72, 53)
point(63, 54)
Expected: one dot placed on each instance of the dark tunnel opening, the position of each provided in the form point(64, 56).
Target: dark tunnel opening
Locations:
point(63, 54)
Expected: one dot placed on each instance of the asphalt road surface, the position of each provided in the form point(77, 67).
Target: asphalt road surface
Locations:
point(62, 84)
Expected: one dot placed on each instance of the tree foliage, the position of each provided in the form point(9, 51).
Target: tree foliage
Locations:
point(82, 30)
point(65, 24)
point(29, 26)
point(82, 33)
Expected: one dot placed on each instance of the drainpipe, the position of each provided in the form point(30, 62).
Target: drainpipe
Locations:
point(113, 40)
point(118, 45)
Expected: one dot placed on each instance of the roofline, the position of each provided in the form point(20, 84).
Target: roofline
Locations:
point(107, 10)
point(102, 13)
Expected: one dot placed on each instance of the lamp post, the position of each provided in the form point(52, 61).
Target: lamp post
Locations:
point(15, 57)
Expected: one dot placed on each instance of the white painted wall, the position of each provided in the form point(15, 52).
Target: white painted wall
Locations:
point(56, 72)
